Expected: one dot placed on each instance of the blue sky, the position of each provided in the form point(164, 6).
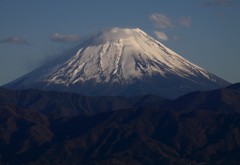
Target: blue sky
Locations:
point(206, 32)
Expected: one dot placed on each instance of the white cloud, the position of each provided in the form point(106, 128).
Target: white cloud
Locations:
point(57, 37)
point(161, 35)
point(185, 21)
point(14, 40)
point(161, 21)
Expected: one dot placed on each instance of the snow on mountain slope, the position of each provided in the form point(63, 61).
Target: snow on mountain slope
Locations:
point(121, 62)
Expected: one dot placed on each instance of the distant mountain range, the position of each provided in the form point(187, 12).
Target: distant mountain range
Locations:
point(38, 127)
point(120, 62)
point(119, 98)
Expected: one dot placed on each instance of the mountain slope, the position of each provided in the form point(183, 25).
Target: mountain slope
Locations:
point(121, 62)
point(183, 131)
point(60, 104)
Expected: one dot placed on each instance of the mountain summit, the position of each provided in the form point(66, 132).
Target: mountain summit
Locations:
point(124, 62)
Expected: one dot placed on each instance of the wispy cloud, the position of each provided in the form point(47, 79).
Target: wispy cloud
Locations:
point(161, 21)
point(161, 35)
point(185, 21)
point(223, 3)
point(67, 38)
point(14, 40)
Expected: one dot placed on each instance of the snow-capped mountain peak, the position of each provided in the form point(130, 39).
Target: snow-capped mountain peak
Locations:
point(120, 55)
point(119, 58)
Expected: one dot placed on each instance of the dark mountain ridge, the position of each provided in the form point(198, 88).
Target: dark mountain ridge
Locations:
point(197, 128)
point(71, 104)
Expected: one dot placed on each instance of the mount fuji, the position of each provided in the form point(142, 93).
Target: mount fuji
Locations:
point(120, 62)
